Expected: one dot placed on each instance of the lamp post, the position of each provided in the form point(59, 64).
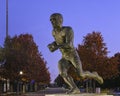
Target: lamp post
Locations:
point(19, 77)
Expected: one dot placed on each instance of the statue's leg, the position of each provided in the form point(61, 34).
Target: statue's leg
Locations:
point(93, 75)
point(75, 59)
point(63, 68)
point(76, 62)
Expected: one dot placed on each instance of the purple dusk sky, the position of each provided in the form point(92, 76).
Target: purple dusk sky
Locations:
point(84, 16)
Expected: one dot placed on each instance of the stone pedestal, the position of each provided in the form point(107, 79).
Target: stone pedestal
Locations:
point(82, 94)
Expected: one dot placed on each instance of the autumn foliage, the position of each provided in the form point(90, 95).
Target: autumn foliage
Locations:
point(22, 55)
point(93, 54)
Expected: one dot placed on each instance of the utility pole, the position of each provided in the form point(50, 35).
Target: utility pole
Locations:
point(6, 18)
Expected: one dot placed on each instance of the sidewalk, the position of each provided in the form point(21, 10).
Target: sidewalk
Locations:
point(8, 94)
point(38, 93)
point(46, 91)
point(23, 94)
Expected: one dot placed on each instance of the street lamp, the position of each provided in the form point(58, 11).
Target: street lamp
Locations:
point(21, 73)
point(19, 77)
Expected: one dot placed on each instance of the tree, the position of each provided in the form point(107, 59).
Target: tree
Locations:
point(93, 54)
point(22, 54)
point(2, 55)
point(117, 55)
point(2, 61)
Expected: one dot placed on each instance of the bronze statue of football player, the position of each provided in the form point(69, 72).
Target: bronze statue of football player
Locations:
point(64, 36)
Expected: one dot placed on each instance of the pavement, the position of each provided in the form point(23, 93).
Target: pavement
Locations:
point(49, 92)
point(39, 93)
point(46, 91)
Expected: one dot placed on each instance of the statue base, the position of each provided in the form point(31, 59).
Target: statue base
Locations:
point(81, 94)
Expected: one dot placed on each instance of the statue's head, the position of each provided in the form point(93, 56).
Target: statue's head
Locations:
point(56, 19)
